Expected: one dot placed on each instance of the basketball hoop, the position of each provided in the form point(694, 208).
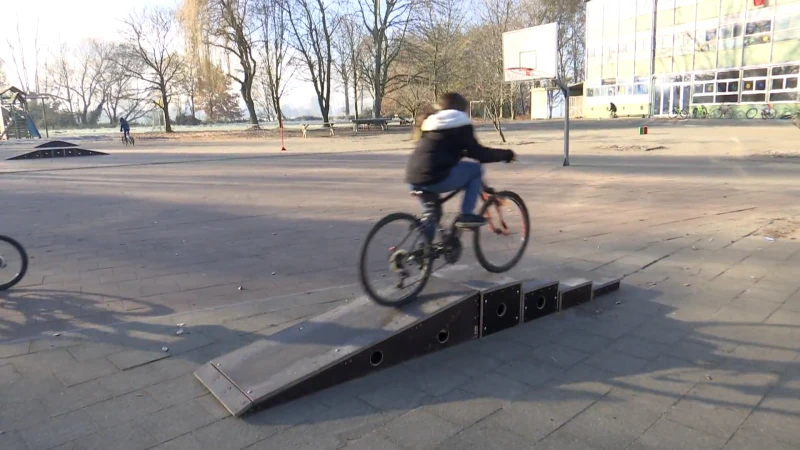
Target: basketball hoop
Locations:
point(520, 73)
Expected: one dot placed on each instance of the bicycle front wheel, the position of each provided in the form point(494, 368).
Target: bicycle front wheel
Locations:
point(500, 244)
point(394, 249)
point(13, 262)
point(751, 113)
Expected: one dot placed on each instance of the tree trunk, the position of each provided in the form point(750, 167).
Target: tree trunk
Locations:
point(247, 96)
point(346, 83)
point(355, 96)
point(165, 109)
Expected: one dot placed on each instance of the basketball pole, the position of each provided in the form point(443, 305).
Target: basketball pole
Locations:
point(565, 91)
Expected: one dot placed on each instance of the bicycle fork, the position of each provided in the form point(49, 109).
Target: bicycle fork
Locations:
point(497, 205)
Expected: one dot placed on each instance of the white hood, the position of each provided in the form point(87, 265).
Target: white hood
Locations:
point(445, 120)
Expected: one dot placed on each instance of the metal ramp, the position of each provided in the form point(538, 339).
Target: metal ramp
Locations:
point(361, 337)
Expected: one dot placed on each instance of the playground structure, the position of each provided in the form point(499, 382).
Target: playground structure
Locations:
point(16, 122)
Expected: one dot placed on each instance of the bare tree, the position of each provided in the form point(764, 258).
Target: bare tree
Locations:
point(20, 62)
point(312, 28)
point(3, 77)
point(277, 71)
point(437, 43)
point(349, 59)
point(188, 82)
point(228, 25)
point(150, 54)
point(387, 22)
point(497, 17)
point(82, 74)
point(571, 38)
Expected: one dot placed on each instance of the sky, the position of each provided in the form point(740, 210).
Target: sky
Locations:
point(71, 21)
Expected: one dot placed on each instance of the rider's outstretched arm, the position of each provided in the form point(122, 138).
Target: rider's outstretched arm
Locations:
point(483, 154)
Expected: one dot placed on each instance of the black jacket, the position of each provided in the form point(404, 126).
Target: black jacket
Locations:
point(447, 136)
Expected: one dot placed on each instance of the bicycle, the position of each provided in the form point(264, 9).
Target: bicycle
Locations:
point(128, 139)
point(699, 112)
point(677, 113)
point(723, 112)
point(611, 114)
point(768, 112)
point(424, 251)
point(13, 262)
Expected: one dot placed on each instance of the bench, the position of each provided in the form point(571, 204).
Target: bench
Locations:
point(383, 123)
point(328, 125)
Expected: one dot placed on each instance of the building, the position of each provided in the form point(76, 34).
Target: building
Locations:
point(651, 56)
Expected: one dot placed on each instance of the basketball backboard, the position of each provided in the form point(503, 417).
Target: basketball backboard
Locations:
point(531, 48)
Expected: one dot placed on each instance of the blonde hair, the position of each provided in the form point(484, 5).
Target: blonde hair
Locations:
point(423, 114)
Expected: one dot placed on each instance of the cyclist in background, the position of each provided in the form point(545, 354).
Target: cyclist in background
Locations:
point(124, 128)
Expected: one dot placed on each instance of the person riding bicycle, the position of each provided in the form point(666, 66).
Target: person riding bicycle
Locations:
point(436, 165)
point(124, 128)
point(613, 109)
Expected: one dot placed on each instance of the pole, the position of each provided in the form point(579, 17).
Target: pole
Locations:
point(653, 60)
point(565, 91)
point(44, 115)
point(283, 148)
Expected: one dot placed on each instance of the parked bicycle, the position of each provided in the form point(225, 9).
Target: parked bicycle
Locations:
point(723, 112)
point(768, 112)
point(699, 112)
point(13, 262)
point(678, 113)
point(394, 263)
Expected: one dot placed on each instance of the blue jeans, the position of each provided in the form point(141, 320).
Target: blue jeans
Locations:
point(466, 175)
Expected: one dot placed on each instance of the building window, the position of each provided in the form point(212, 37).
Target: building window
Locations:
point(758, 32)
point(787, 27)
point(784, 83)
point(730, 31)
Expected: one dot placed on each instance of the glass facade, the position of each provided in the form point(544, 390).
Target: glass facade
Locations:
point(703, 52)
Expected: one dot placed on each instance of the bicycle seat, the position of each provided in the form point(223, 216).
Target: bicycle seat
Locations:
point(421, 192)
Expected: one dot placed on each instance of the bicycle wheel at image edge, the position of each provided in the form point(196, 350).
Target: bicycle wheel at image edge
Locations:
point(415, 226)
point(4, 263)
point(479, 251)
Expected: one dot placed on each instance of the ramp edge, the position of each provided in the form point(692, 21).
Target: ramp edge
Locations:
point(234, 400)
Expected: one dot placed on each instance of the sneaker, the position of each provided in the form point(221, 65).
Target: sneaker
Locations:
point(470, 221)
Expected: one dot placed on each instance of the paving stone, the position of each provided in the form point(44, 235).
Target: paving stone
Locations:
point(42, 345)
point(75, 397)
point(8, 374)
point(177, 420)
point(610, 423)
point(582, 341)
point(529, 371)
point(749, 439)
point(120, 410)
point(81, 372)
point(780, 425)
point(22, 414)
point(349, 419)
point(640, 348)
point(185, 442)
point(231, 433)
point(495, 385)
point(92, 350)
point(395, 397)
point(559, 355)
point(438, 381)
point(129, 359)
point(463, 408)
point(11, 440)
point(661, 331)
point(122, 437)
point(668, 435)
point(617, 362)
point(59, 430)
point(298, 439)
point(177, 390)
point(417, 429)
point(482, 436)
point(134, 379)
point(372, 441)
point(16, 349)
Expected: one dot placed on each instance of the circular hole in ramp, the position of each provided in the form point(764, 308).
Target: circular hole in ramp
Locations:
point(501, 310)
point(541, 302)
point(376, 358)
point(443, 336)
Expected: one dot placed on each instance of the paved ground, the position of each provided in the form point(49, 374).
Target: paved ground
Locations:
point(698, 350)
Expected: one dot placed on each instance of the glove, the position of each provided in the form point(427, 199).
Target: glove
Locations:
point(511, 156)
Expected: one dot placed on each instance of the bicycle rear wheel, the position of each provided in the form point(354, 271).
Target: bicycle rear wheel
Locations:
point(501, 209)
point(13, 262)
point(751, 113)
point(391, 260)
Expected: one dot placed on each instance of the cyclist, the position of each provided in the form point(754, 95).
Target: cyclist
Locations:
point(124, 128)
point(436, 165)
point(613, 109)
